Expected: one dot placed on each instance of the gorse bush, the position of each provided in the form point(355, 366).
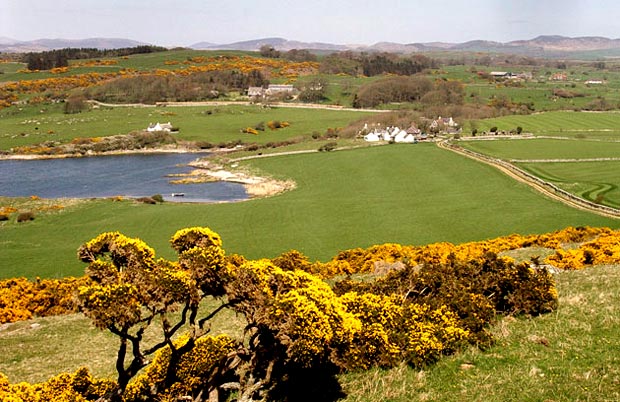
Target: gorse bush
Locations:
point(77, 387)
point(475, 291)
point(422, 303)
point(21, 299)
point(25, 216)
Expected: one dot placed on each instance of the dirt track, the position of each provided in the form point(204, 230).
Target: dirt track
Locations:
point(241, 103)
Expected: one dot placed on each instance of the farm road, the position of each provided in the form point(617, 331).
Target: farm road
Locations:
point(563, 160)
point(240, 103)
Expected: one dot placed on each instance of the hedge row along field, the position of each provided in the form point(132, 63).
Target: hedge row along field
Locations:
point(299, 332)
point(573, 248)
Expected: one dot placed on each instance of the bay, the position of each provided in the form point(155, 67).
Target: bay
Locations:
point(134, 175)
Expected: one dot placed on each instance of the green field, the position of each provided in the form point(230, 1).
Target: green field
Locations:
point(594, 181)
point(215, 124)
point(409, 194)
point(603, 125)
point(543, 148)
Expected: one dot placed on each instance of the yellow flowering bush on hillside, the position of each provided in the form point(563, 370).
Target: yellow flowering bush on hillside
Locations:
point(77, 387)
point(291, 308)
point(21, 299)
point(393, 331)
point(131, 288)
point(565, 242)
point(196, 369)
point(298, 331)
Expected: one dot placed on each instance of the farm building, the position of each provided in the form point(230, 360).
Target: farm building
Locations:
point(273, 89)
point(395, 134)
point(159, 127)
point(256, 92)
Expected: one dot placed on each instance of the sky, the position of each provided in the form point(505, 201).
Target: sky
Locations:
point(185, 22)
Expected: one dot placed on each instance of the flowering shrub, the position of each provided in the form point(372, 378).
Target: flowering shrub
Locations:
point(21, 299)
point(393, 331)
point(363, 260)
point(605, 249)
point(197, 370)
point(299, 332)
point(77, 387)
point(249, 130)
point(474, 291)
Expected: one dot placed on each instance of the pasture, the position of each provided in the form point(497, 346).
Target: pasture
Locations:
point(37, 124)
point(543, 148)
point(581, 125)
point(568, 163)
point(408, 194)
point(595, 181)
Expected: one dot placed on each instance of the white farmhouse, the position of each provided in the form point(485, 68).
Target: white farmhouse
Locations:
point(372, 137)
point(167, 127)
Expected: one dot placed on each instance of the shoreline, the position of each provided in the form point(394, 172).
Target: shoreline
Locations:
point(114, 153)
point(204, 171)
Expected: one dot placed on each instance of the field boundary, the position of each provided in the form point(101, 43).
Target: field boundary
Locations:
point(241, 103)
point(542, 186)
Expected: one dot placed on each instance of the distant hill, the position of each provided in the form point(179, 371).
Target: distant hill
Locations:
point(543, 46)
point(277, 43)
point(9, 45)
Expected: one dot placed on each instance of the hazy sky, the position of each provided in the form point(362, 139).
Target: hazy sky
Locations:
point(184, 22)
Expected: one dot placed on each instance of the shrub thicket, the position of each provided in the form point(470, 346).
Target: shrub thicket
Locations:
point(299, 331)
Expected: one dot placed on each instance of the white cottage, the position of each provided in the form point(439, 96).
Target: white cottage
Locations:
point(159, 127)
point(372, 137)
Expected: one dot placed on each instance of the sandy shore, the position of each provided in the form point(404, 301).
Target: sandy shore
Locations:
point(255, 186)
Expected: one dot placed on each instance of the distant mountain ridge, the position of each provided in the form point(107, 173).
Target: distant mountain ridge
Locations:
point(545, 45)
point(539, 46)
point(276, 43)
point(9, 45)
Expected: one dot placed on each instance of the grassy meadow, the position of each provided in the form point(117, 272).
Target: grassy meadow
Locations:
point(544, 148)
point(409, 194)
point(580, 125)
point(595, 181)
point(33, 125)
point(568, 163)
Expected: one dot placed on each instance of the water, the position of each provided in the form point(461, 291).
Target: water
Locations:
point(136, 175)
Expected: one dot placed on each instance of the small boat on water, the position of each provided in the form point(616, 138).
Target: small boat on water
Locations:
point(178, 194)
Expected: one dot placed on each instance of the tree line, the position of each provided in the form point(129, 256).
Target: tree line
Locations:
point(156, 88)
point(372, 64)
point(60, 57)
